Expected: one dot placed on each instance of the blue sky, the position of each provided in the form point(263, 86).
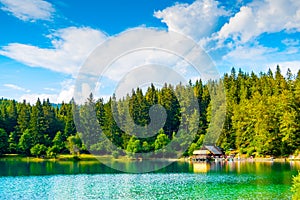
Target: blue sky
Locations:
point(43, 43)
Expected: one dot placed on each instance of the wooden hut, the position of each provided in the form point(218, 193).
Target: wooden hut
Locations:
point(207, 152)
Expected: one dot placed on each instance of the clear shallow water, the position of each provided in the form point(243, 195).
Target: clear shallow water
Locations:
point(90, 180)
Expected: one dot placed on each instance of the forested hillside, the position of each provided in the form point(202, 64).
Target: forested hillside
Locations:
point(262, 118)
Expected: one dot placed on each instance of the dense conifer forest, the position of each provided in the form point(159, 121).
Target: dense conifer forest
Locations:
point(262, 118)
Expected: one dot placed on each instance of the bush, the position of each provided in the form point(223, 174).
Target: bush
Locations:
point(250, 151)
point(115, 154)
point(38, 150)
point(297, 153)
point(192, 148)
point(74, 144)
point(296, 187)
point(53, 151)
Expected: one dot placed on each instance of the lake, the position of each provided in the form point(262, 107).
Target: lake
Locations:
point(179, 180)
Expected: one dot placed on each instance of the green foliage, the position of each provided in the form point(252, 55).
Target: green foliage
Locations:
point(195, 146)
point(146, 147)
point(296, 187)
point(161, 141)
point(3, 141)
point(192, 148)
point(133, 146)
point(12, 142)
point(38, 150)
point(53, 151)
point(26, 142)
point(262, 118)
point(37, 123)
point(74, 144)
point(58, 141)
point(89, 126)
point(115, 154)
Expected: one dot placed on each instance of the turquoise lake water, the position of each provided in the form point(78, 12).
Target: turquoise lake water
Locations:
point(180, 180)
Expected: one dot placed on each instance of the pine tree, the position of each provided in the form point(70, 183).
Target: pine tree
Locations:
point(50, 123)
point(23, 118)
point(12, 116)
point(3, 141)
point(37, 124)
point(90, 127)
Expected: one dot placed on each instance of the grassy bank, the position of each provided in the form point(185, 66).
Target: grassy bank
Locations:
point(61, 157)
point(69, 157)
point(91, 157)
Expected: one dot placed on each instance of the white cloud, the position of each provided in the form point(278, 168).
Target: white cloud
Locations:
point(65, 95)
point(248, 54)
point(28, 10)
point(134, 60)
point(290, 42)
point(141, 47)
point(16, 87)
point(196, 20)
point(236, 42)
point(32, 98)
point(71, 46)
point(294, 66)
point(50, 89)
point(258, 58)
point(259, 17)
point(136, 49)
point(144, 76)
point(67, 91)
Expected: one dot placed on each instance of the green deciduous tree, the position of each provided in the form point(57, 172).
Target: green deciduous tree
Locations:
point(26, 142)
point(53, 151)
point(262, 118)
point(133, 146)
point(161, 141)
point(74, 144)
point(38, 150)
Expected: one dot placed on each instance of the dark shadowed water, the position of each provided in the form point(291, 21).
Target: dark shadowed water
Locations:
point(180, 180)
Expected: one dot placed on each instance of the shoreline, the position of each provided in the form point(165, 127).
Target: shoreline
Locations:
point(91, 157)
point(82, 157)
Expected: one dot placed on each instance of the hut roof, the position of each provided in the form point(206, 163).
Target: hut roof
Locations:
point(207, 149)
point(214, 149)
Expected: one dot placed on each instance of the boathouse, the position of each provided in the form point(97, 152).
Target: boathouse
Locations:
point(207, 152)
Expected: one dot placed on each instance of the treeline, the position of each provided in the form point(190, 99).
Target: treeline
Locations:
point(263, 113)
point(262, 118)
point(40, 129)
